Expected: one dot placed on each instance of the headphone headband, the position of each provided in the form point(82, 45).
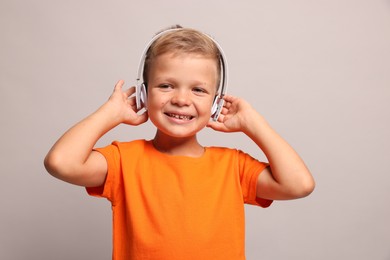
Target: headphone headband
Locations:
point(223, 62)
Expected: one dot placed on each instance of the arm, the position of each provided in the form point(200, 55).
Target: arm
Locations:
point(72, 159)
point(287, 177)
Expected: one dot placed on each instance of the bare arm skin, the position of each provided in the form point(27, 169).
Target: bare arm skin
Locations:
point(287, 177)
point(72, 158)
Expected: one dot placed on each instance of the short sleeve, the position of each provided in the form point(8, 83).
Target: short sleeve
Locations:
point(250, 170)
point(107, 190)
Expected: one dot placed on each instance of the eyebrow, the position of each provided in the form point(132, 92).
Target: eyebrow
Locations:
point(171, 79)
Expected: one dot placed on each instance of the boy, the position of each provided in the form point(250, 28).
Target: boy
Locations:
point(171, 197)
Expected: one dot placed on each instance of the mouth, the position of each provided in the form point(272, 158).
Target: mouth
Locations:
point(178, 116)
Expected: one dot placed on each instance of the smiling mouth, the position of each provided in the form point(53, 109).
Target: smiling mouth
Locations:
point(181, 117)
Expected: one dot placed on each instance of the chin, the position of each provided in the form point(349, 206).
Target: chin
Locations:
point(179, 134)
point(184, 130)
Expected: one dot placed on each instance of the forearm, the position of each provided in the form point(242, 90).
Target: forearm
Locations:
point(287, 177)
point(287, 168)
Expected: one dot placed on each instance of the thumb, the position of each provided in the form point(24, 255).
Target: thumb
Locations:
point(119, 85)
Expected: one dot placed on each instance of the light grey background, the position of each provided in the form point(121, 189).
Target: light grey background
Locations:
point(319, 71)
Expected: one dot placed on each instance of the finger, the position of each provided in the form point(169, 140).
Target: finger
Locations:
point(221, 118)
point(118, 85)
point(227, 104)
point(131, 101)
point(224, 111)
point(219, 122)
point(142, 118)
point(130, 91)
point(229, 98)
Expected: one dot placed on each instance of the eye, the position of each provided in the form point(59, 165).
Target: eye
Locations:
point(165, 86)
point(199, 90)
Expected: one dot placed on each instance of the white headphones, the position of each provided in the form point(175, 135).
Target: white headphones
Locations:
point(140, 91)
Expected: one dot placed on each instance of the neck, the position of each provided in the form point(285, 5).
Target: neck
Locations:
point(188, 146)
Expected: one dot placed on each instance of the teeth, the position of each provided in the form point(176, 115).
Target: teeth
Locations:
point(180, 116)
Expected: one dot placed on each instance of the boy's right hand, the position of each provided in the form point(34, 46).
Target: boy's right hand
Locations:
point(122, 105)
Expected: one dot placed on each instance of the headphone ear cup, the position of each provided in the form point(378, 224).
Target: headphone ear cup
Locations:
point(144, 96)
point(217, 108)
point(214, 106)
point(140, 96)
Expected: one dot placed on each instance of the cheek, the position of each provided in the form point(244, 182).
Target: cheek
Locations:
point(205, 108)
point(155, 101)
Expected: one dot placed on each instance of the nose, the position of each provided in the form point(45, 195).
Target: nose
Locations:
point(181, 98)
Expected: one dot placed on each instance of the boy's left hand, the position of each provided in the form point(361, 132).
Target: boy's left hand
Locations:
point(234, 117)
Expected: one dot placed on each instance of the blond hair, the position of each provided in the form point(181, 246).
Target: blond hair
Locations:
point(182, 41)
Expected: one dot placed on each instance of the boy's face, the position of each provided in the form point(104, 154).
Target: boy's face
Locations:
point(181, 90)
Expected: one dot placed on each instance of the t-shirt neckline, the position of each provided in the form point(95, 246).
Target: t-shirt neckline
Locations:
point(150, 145)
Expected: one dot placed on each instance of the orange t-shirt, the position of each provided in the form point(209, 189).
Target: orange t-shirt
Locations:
point(175, 207)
